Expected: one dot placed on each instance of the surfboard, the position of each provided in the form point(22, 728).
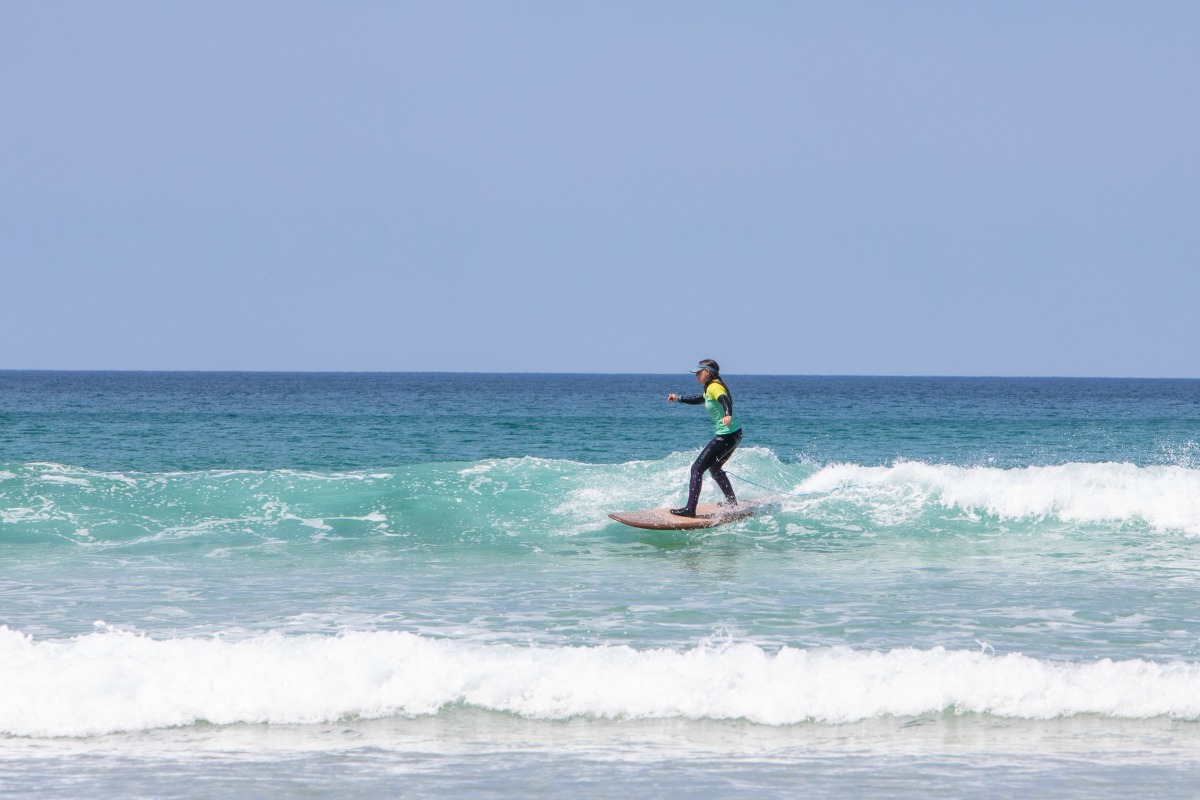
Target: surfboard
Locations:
point(708, 515)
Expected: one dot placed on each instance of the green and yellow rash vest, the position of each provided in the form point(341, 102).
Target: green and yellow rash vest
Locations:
point(719, 404)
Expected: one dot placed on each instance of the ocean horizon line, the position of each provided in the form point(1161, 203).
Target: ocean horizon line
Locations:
point(558, 373)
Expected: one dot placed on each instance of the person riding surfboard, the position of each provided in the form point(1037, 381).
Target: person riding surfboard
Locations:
point(718, 401)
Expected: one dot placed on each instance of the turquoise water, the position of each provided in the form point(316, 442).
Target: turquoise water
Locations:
point(347, 584)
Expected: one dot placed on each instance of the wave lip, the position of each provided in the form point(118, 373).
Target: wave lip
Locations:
point(108, 681)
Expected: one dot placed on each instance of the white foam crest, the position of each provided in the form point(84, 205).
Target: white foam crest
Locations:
point(113, 681)
point(45, 511)
point(50, 472)
point(1165, 497)
point(65, 480)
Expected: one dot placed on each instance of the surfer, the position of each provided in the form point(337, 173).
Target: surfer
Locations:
point(718, 402)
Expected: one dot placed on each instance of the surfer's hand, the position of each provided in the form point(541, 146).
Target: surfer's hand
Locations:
point(671, 398)
point(725, 420)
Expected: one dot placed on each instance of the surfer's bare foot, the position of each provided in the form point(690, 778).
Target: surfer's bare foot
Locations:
point(684, 512)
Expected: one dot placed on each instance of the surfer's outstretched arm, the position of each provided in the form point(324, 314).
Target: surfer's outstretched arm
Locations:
point(693, 400)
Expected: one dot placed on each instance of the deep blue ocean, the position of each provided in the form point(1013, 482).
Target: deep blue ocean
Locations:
point(330, 585)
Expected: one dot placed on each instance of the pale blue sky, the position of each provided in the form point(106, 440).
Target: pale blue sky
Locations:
point(954, 188)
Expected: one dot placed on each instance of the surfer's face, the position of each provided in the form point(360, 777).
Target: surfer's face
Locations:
point(702, 376)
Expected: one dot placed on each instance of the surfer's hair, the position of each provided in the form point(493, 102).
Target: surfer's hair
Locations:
point(714, 373)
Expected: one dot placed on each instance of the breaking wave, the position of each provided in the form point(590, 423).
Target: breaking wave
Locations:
point(111, 681)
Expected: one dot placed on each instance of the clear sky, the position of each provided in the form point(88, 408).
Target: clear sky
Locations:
point(945, 188)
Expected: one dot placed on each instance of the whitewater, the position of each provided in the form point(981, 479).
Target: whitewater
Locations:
point(110, 682)
point(984, 581)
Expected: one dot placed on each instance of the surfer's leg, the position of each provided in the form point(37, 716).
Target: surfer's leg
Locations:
point(708, 456)
point(730, 443)
point(695, 482)
point(726, 487)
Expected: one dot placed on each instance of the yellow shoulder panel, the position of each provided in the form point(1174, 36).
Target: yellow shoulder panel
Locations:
point(714, 391)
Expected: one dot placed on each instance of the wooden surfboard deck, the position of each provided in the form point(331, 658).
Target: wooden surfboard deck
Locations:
point(708, 515)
